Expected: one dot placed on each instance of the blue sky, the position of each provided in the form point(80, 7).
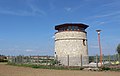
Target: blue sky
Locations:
point(27, 26)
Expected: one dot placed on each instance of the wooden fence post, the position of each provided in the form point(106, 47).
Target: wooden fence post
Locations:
point(97, 60)
point(109, 59)
point(56, 59)
point(68, 60)
point(81, 60)
point(103, 59)
point(119, 57)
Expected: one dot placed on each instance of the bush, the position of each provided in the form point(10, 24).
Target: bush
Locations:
point(81, 68)
point(35, 66)
point(105, 68)
point(1, 60)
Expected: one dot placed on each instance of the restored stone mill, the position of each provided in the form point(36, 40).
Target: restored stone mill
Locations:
point(71, 44)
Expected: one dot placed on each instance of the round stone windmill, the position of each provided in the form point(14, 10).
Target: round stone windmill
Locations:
point(71, 44)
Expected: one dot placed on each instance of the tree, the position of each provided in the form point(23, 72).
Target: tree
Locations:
point(118, 49)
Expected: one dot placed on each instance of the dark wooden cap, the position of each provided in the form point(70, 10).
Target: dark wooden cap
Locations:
point(71, 24)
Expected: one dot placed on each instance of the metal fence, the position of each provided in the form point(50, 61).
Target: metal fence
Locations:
point(41, 60)
point(107, 60)
point(82, 61)
point(69, 60)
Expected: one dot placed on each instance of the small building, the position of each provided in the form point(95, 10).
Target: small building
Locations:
point(71, 44)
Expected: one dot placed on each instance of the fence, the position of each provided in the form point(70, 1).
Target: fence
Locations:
point(107, 60)
point(42, 60)
point(81, 61)
point(72, 60)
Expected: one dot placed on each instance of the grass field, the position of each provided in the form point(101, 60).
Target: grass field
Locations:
point(8, 70)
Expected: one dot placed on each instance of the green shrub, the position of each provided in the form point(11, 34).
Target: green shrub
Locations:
point(105, 68)
point(81, 68)
point(2, 60)
point(35, 66)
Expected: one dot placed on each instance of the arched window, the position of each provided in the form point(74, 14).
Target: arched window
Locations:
point(84, 42)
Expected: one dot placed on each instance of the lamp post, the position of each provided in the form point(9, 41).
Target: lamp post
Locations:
point(98, 31)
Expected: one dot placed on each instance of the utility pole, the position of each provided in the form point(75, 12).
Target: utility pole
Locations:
point(98, 31)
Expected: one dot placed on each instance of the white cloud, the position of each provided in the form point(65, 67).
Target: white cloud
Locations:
point(31, 10)
point(52, 5)
point(73, 9)
point(107, 15)
point(35, 9)
point(68, 9)
point(112, 14)
point(101, 23)
point(19, 13)
point(29, 50)
point(94, 46)
point(53, 37)
point(111, 4)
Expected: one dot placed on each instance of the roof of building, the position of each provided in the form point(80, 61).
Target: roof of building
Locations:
point(71, 24)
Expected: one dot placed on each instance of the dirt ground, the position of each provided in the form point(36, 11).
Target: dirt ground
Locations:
point(7, 70)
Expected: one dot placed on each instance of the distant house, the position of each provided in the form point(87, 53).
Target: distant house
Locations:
point(3, 58)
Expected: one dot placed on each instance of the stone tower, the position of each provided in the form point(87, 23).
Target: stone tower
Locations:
point(71, 44)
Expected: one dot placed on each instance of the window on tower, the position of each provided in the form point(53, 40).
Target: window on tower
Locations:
point(84, 42)
point(72, 28)
point(69, 28)
point(76, 28)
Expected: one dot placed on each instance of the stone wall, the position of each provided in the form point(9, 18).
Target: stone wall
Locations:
point(72, 43)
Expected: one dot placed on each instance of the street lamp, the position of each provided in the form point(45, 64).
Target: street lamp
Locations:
point(98, 31)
